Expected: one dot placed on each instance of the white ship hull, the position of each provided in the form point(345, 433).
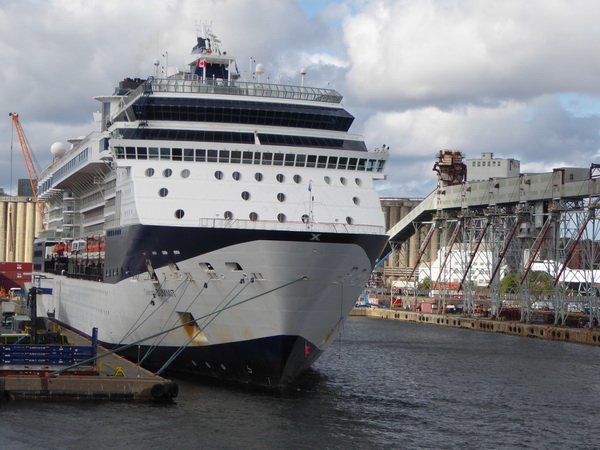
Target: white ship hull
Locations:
point(281, 304)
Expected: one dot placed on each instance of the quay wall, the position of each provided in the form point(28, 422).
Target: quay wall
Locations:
point(515, 328)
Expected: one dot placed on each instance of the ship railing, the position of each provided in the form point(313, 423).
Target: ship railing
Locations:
point(211, 222)
point(226, 87)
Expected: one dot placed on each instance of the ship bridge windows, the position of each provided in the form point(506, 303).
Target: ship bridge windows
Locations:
point(241, 112)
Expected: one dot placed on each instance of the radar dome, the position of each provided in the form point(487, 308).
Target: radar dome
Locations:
point(58, 149)
point(260, 69)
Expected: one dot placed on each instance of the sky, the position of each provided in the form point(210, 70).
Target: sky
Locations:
point(520, 79)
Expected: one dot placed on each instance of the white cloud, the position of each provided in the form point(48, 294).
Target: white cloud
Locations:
point(515, 78)
point(440, 52)
point(510, 130)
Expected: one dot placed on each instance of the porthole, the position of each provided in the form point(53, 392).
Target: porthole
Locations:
point(228, 215)
point(297, 179)
point(149, 172)
point(281, 217)
point(219, 175)
point(327, 180)
point(280, 177)
point(305, 218)
point(343, 181)
point(356, 200)
point(163, 192)
point(185, 173)
point(179, 214)
point(236, 176)
point(358, 181)
point(253, 216)
point(349, 220)
point(258, 176)
point(281, 197)
point(167, 173)
point(246, 195)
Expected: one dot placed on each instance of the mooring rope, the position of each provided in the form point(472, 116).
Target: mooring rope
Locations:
point(125, 347)
point(200, 328)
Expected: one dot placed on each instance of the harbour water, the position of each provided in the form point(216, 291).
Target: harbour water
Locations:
point(383, 384)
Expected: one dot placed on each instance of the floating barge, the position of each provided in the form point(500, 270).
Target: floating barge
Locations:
point(74, 368)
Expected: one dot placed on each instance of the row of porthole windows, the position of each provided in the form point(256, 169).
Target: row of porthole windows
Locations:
point(163, 192)
point(253, 216)
point(219, 175)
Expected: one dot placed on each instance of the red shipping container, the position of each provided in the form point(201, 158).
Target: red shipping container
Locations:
point(7, 283)
point(15, 267)
point(428, 307)
point(16, 276)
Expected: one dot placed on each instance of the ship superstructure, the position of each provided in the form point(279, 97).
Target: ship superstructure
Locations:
point(241, 215)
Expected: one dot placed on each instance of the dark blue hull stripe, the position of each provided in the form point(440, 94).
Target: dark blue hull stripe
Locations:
point(274, 361)
point(129, 249)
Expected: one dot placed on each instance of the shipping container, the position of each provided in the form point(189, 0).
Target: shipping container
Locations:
point(15, 267)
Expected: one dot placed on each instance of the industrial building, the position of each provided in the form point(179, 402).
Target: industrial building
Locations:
point(519, 241)
point(19, 224)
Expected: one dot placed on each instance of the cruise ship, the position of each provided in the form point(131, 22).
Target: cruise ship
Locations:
point(211, 225)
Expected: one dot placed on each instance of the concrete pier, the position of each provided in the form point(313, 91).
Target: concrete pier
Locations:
point(515, 328)
point(72, 387)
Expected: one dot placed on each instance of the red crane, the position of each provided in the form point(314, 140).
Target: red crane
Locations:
point(33, 176)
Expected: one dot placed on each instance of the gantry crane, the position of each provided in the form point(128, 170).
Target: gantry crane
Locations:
point(31, 172)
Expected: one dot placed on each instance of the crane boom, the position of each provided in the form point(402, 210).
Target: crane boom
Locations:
point(31, 172)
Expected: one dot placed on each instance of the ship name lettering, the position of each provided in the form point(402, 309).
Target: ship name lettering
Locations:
point(162, 292)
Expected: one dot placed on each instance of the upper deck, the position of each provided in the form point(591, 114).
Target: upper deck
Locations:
point(192, 84)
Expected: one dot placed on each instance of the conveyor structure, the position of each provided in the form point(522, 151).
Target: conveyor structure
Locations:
point(529, 242)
